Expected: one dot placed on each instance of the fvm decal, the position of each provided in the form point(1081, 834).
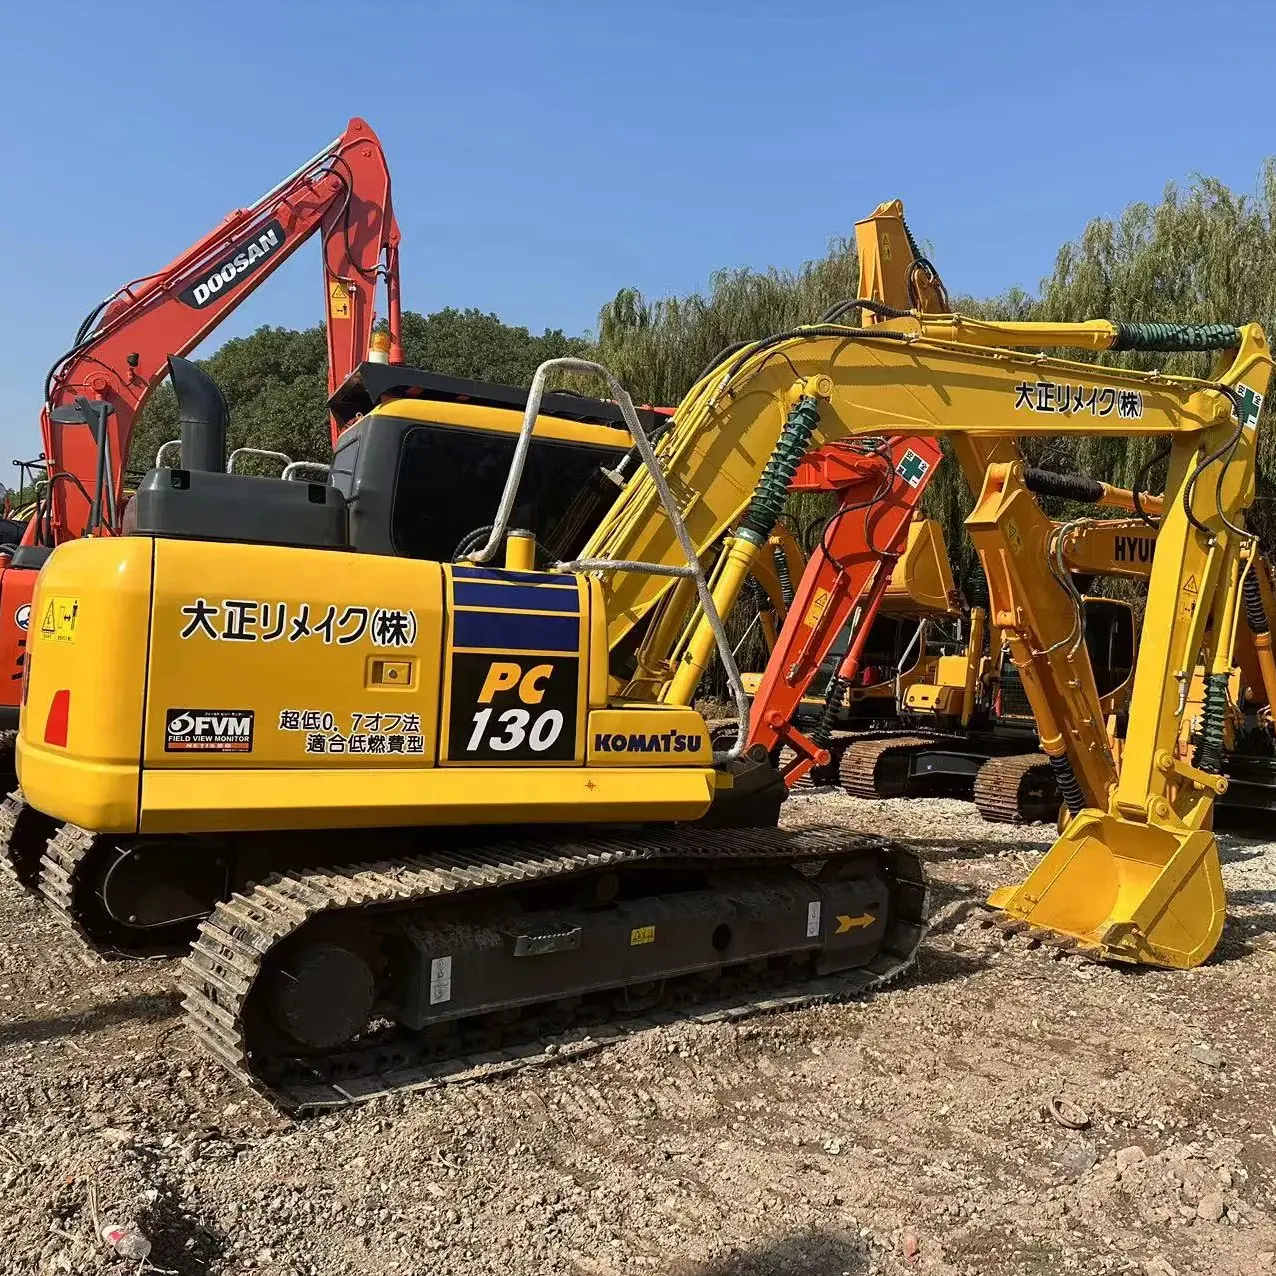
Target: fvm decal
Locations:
point(22, 617)
point(912, 468)
point(246, 258)
point(507, 710)
point(1133, 549)
point(208, 731)
point(1073, 400)
point(247, 620)
point(646, 742)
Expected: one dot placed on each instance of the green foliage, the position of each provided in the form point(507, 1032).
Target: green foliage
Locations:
point(658, 348)
point(275, 381)
point(1201, 255)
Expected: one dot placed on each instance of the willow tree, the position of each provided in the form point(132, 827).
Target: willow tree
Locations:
point(1202, 254)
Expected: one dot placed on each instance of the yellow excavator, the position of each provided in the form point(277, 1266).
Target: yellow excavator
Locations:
point(968, 745)
point(488, 801)
point(978, 733)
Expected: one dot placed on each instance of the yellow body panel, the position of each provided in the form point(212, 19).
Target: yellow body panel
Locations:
point(938, 701)
point(92, 779)
point(250, 687)
point(196, 801)
point(305, 645)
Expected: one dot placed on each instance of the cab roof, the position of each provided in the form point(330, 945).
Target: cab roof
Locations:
point(371, 384)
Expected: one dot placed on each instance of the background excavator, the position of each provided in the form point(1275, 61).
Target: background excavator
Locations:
point(644, 868)
point(964, 696)
point(875, 656)
point(95, 392)
point(977, 733)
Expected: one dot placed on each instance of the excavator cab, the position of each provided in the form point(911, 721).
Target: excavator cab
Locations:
point(408, 475)
point(422, 458)
point(1109, 639)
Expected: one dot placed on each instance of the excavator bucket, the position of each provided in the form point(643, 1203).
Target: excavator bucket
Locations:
point(1124, 891)
point(922, 580)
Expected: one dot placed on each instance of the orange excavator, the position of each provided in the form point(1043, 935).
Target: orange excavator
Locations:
point(95, 392)
point(880, 486)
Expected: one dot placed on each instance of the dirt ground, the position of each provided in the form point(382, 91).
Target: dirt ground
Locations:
point(903, 1134)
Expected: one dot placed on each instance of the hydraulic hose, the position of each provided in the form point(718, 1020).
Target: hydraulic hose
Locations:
point(784, 577)
point(1255, 616)
point(1072, 487)
point(773, 487)
point(1175, 338)
point(833, 699)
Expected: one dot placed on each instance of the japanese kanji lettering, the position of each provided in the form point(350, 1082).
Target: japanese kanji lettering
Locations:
point(1130, 405)
point(250, 620)
point(201, 614)
point(239, 615)
point(1067, 399)
point(392, 628)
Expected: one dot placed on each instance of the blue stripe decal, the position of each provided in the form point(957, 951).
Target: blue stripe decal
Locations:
point(473, 593)
point(515, 633)
point(461, 572)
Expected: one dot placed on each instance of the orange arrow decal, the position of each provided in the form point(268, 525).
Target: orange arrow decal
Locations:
point(846, 923)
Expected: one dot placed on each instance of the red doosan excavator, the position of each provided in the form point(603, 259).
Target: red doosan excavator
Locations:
point(95, 392)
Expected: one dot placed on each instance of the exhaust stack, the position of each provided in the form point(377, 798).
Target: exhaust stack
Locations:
point(202, 415)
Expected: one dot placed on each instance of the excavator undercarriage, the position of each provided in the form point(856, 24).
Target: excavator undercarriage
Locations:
point(475, 955)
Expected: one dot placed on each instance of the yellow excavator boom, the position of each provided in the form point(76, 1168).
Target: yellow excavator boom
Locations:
point(1135, 874)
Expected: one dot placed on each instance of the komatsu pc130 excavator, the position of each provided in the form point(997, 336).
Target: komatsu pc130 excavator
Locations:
point(478, 838)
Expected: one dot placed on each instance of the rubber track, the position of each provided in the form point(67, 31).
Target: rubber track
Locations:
point(223, 965)
point(998, 784)
point(858, 765)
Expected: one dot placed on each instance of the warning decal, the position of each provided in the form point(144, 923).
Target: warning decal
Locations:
point(59, 617)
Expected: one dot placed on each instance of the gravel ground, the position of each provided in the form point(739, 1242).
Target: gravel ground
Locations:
point(903, 1134)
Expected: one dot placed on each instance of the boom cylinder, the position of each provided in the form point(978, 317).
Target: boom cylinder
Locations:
point(756, 526)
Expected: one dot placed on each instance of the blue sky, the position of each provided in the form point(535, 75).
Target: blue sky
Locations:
point(549, 152)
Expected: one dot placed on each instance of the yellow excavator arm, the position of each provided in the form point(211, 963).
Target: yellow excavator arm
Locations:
point(743, 428)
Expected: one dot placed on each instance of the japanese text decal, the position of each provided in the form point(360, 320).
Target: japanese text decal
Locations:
point(245, 620)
